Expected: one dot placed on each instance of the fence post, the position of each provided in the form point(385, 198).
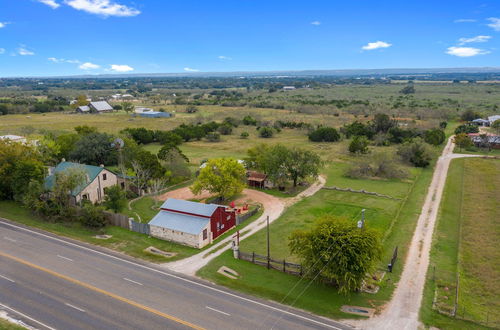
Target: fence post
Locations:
point(253, 257)
point(284, 266)
point(300, 270)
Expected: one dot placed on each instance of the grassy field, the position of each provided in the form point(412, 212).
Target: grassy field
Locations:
point(123, 240)
point(396, 218)
point(469, 211)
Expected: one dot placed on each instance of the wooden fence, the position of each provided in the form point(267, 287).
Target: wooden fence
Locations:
point(116, 219)
point(281, 265)
point(242, 217)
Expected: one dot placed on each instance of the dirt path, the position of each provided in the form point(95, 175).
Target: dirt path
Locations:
point(273, 207)
point(402, 312)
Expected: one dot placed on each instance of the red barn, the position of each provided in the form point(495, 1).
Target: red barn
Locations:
point(191, 223)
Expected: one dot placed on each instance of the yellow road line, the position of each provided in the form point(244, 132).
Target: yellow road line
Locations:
point(109, 294)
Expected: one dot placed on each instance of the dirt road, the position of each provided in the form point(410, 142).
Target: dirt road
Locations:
point(402, 311)
point(273, 207)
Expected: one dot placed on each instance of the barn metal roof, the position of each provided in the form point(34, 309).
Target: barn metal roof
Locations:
point(190, 207)
point(180, 222)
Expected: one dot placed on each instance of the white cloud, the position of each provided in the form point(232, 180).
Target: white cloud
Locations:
point(222, 57)
point(63, 60)
point(465, 51)
point(376, 45)
point(464, 41)
point(23, 51)
point(2, 50)
point(89, 66)
point(121, 68)
point(316, 23)
point(495, 23)
point(465, 20)
point(3, 24)
point(51, 3)
point(191, 70)
point(103, 7)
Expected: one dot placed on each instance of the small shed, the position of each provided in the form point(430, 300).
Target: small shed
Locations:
point(256, 179)
point(83, 109)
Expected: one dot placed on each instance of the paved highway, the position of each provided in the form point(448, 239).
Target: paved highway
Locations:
point(51, 282)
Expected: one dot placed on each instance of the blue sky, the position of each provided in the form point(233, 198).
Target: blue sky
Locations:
point(68, 37)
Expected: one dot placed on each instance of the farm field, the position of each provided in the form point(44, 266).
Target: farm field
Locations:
point(469, 211)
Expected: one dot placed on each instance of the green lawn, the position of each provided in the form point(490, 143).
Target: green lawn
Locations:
point(379, 212)
point(143, 210)
point(123, 240)
point(466, 242)
point(396, 218)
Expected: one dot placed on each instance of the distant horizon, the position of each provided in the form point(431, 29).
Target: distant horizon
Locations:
point(54, 38)
point(303, 72)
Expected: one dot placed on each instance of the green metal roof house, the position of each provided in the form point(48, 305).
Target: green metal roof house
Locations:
point(98, 178)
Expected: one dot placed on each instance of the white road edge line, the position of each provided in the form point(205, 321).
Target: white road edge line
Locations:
point(8, 279)
point(177, 277)
point(78, 309)
point(128, 279)
point(9, 239)
point(65, 258)
point(26, 316)
point(218, 311)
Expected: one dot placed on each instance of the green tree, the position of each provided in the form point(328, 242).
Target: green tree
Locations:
point(416, 152)
point(115, 198)
point(434, 136)
point(213, 136)
point(469, 115)
point(358, 145)
point(301, 164)
point(463, 141)
point(65, 182)
point(19, 165)
point(244, 135)
point(496, 126)
point(382, 123)
point(224, 177)
point(127, 107)
point(337, 251)
point(467, 129)
point(95, 149)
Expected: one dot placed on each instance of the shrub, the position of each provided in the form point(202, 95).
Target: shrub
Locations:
point(191, 109)
point(213, 137)
point(359, 144)
point(467, 129)
point(380, 165)
point(324, 134)
point(244, 135)
point(92, 216)
point(266, 132)
point(434, 136)
point(225, 129)
point(416, 152)
point(443, 125)
point(249, 121)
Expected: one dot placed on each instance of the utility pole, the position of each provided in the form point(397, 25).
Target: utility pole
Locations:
point(268, 247)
